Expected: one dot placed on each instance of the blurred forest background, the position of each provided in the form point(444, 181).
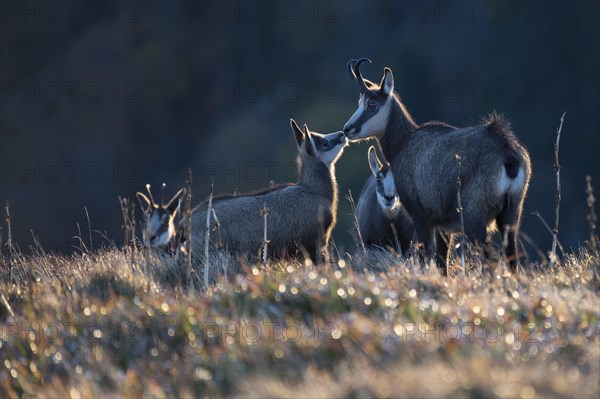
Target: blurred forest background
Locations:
point(99, 98)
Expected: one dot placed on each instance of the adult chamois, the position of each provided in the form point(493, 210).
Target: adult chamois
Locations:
point(494, 174)
point(300, 215)
point(382, 220)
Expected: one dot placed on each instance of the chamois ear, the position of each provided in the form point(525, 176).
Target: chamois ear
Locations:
point(387, 82)
point(145, 203)
point(175, 202)
point(374, 163)
point(298, 134)
point(309, 143)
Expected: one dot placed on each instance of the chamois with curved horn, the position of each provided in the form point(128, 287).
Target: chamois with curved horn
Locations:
point(159, 220)
point(495, 169)
point(300, 215)
point(382, 219)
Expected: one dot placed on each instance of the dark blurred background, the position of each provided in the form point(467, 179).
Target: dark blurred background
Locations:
point(99, 98)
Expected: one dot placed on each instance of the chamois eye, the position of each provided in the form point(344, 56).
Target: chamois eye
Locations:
point(371, 105)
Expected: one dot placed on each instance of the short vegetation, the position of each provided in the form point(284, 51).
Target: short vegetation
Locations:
point(129, 323)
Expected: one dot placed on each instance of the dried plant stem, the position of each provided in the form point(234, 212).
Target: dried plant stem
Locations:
point(125, 225)
point(539, 216)
point(265, 212)
point(460, 213)
point(356, 225)
point(9, 243)
point(87, 215)
point(219, 244)
point(8, 307)
point(128, 226)
point(131, 217)
point(553, 257)
point(187, 211)
point(591, 217)
point(207, 234)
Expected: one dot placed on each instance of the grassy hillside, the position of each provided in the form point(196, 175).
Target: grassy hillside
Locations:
point(113, 323)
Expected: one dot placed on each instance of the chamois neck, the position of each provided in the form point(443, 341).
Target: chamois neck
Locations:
point(399, 126)
point(316, 177)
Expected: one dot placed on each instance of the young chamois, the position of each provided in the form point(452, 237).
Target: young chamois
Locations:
point(300, 215)
point(382, 219)
point(159, 220)
point(494, 176)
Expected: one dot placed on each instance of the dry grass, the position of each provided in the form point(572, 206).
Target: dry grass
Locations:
point(99, 324)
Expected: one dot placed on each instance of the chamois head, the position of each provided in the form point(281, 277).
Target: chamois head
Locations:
point(371, 117)
point(327, 148)
point(387, 196)
point(159, 225)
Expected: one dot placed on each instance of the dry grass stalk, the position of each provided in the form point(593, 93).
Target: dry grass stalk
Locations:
point(356, 226)
point(187, 212)
point(207, 234)
point(265, 213)
point(591, 216)
point(461, 213)
point(553, 256)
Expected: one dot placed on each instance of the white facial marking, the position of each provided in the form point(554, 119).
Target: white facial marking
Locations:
point(331, 156)
point(154, 222)
point(162, 240)
point(387, 188)
point(374, 126)
point(357, 113)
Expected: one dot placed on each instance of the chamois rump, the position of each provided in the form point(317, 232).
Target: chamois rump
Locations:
point(159, 229)
point(382, 220)
point(300, 215)
point(494, 176)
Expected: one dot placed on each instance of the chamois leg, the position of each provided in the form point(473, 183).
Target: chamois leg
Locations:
point(476, 232)
point(313, 252)
point(508, 221)
point(425, 237)
point(441, 246)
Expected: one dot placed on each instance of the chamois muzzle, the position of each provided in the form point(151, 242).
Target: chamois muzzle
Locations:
point(389, 201)
point(337, 139)
point(350, 132)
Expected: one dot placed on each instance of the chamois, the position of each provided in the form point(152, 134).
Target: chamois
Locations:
point(300, 215)
point(382, 219)
point(159, 227)
point(494, 175)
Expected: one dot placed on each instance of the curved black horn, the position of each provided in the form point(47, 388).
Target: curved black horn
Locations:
point(351, 64)
point(361, 81)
